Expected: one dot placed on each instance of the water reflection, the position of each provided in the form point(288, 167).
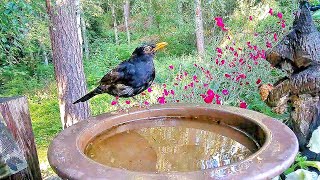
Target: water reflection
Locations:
point(173, 145)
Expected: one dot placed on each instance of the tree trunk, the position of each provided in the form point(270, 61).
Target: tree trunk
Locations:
point(114, 23)
point(15, 113)
point(199, 28)
point(126, 14)
point(84, 36)
point(78, 14)
point(67, 60)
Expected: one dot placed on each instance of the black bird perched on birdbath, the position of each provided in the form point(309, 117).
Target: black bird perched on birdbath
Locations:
point(131, 77)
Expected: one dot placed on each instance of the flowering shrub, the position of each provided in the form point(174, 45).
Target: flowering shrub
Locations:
point(230, 76)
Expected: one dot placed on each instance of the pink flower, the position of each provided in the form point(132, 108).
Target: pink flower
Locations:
point(164, 85)
point(208, 99)
point(210, 92)
point(219, 50)
point(146, 103)
point(275, 37)
point(127, 102)
point(268, 44)
point(222, 62)
point(166, 93)
point(283, 25)
point(114, 103)
point(258, 81)
point(205, 85)
point(195, 78)
point(185, 87)
point(271, 11)
point(172, 91)
point(250, 18)
point(225, 92)
point(227, 75)
point(219, 23)
point(149, 89)
point(243, 105)
point(162, 100)
point(279, 15)
point(171, 66)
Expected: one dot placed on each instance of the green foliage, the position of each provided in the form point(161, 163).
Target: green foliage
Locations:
point(302, 163)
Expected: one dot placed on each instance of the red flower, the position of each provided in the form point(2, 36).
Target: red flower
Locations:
point(243, 105)
point(268, 44)
point(114, 103)
point(219, 23)
point(225, 92)
point(227, 75)
point(166, 93)
point(222, 62)
point(164, 85)
point(283, 25)
point(171, 66)
point(279, 15)
point(208, 99)
point(162, 100)
point(258, 81)
point(210, 92)
point(149, 89)
point(219, 50)
point(250, 18)
point(172, 91)
point(271, 11)
point(275, 37)
point(127, 102)
point(146, 103)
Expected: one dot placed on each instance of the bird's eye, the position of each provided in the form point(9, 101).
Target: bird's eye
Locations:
point(147, 49)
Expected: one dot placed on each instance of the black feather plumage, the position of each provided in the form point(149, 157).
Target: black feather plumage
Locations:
point(129, 78)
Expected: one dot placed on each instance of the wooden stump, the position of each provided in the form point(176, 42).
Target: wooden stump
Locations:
point(298, 53)
point(16, 114)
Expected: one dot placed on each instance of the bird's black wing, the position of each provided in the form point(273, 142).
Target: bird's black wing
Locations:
point(118, 74)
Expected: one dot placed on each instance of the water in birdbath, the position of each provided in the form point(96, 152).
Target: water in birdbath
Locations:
point(170, 145)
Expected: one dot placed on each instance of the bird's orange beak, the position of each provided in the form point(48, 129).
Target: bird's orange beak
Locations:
point(160, 46)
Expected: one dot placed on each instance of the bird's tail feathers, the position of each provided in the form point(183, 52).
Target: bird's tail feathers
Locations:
point(88, 96)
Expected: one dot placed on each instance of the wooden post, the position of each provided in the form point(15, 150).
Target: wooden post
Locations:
point(16, 114)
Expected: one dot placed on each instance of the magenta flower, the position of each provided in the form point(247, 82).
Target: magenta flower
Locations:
point(149, 90)
point(283, 25)
point(271, 11)
point(208, 99)
point(171, 66)
point(162, 100)
point(250, 18)
point(146, 103)
point(225, 92)
point(227, 75)
point(165, 91)
point(219, 50)
point(243, 105)
point(172, 91)
point(210, 92)
point(268, 44)
point(127, 102)
point(280, 15)
point(258, 81)
point(219, 23)
point(275, 37)
point(114, 103)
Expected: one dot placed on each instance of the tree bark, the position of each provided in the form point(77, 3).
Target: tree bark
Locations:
point(78, 14)
point(67, 60)
point(15, 113)
point(84, 37)
point(199, 28)
point(126, 14)
point(114, 23)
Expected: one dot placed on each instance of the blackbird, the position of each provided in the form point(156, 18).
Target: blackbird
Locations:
point(131, 77)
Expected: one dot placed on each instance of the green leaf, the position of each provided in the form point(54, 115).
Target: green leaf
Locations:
point(316, 15)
